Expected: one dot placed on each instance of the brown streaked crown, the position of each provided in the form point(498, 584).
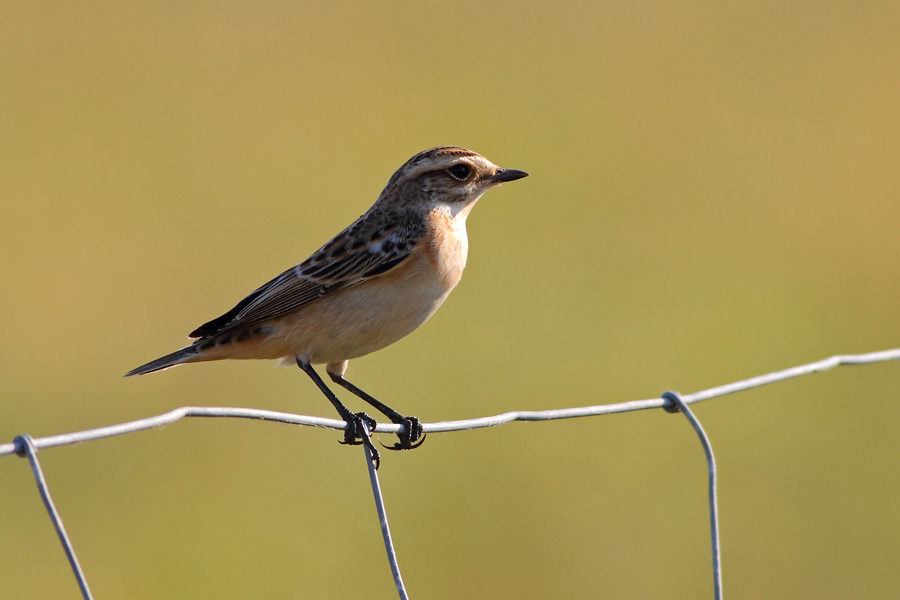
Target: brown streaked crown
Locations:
point(446, 174)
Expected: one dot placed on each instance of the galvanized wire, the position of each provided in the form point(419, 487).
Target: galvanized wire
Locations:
point(372, 463)
point(445, 426)
point(680, 406)
point(26, 446)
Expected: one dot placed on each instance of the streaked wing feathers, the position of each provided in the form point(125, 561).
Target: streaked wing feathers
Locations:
point(373, 245)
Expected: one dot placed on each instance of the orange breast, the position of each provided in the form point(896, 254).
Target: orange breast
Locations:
point(447, 247)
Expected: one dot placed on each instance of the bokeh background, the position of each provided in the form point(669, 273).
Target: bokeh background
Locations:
point(714, 195)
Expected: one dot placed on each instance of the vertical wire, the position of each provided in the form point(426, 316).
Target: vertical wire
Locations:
point(25, 447)
point(382, 519)
point(676, 404)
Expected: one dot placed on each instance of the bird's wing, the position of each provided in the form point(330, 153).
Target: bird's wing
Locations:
point(370, 247)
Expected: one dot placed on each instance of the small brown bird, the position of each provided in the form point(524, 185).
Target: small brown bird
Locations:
point(371, 285)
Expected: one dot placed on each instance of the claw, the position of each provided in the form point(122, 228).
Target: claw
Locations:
point(357, 433)
point(412, 438)
point(404, 444)
point(414, 445)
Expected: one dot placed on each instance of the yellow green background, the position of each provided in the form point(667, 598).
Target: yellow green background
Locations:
point(713, 195)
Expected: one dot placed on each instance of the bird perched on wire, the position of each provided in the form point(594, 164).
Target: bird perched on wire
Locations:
point(371, 285)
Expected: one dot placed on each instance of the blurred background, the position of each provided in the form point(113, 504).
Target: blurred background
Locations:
point(713, 195)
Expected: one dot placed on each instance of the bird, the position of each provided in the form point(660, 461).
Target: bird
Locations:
point(369, 286)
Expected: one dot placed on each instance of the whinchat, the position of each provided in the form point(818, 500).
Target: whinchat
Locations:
point(374, 283)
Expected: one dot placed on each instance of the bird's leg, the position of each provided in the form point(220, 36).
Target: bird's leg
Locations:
point(355, 433)
point(411, 438)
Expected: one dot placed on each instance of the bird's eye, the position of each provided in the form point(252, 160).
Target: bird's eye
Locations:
point(459, 171)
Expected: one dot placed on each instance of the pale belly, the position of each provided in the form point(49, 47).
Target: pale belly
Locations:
point(361, 320)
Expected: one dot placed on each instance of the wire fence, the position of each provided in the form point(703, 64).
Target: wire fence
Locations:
point(26, 446)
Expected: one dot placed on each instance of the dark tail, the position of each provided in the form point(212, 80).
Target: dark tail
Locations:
point(169, 360)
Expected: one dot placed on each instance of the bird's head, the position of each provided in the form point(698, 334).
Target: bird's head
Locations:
point(445, 176)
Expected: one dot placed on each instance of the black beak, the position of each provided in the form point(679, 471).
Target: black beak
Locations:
point(504, 175)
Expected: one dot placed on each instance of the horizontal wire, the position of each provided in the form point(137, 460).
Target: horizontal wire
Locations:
point(446, 426)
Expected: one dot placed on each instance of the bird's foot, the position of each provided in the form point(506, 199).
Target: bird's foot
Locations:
point(412, 437)
point(359, 427)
